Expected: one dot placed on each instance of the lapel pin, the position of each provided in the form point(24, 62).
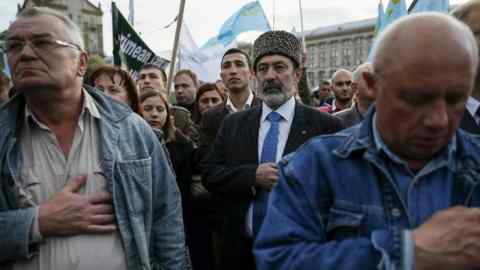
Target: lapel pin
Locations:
point(304, 132)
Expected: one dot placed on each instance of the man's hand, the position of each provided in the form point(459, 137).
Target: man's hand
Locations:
point(69, 213)
point(450, 239)
point(266, 175)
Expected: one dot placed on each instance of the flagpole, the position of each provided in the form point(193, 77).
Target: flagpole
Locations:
point(412, 5)
point(301, 26)
point(131, 12)
point(273, 28)
point(175, 45)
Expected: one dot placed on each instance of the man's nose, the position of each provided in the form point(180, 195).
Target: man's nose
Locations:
point(437, 116)
point(27, 52)
point(270, 74)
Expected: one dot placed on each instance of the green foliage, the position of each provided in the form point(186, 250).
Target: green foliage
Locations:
point(304, 90)
point(94, 62)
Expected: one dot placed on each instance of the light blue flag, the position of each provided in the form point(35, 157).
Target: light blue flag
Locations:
point(6, 67)
point(395, 10)
point(430, 5)
point(250, 17)
point(381, 21)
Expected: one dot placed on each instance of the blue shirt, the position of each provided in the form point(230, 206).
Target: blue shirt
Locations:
point(345, 201)
point(415, 188)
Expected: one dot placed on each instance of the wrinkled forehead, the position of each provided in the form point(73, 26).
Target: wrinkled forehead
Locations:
point(274, 59)
point(40, 25)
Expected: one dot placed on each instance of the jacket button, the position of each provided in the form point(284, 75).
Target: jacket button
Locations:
point(396, 212)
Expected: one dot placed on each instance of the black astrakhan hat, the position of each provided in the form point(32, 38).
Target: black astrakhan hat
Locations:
point(277, 42)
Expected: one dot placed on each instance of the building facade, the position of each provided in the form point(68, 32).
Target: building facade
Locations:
point(338, 46)
point(86, 15)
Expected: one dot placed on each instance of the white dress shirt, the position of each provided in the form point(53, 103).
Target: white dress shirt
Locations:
point(231, 108)
point(472, 107)
point(287, 111)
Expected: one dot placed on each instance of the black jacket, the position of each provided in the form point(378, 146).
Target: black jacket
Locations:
point(230, 167)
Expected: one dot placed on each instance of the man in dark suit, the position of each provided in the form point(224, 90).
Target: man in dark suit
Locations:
point(236, 73)
point(241, 166)
point(469, 13)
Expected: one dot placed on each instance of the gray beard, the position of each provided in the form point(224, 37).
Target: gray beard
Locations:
point(275, 100)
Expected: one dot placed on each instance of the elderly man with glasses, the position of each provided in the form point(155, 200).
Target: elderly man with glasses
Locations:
point(84, 182)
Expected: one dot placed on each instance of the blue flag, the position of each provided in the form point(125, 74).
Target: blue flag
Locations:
point(395, 10)
point(249, 17)
point(6, 67)
point(430, 5)
point(381, 21)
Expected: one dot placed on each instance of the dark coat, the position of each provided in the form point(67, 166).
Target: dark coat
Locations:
point(230, 167)
point(468, 123)
point(350, 116)
point(212, 119)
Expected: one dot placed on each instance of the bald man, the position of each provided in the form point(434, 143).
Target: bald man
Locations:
point(364, 97)
point(342, 90)
point(380, 195)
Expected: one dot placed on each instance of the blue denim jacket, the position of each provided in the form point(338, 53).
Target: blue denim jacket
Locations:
point(145, 195)
point(336, 205)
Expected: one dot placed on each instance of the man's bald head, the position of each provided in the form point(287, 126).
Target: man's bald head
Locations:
point(340, 71)
point(425, 39)
point(342, 86)
point(424, 70)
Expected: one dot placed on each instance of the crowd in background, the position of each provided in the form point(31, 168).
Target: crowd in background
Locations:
point(226, 143)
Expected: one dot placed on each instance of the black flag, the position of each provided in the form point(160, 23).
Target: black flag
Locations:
point(129, 50)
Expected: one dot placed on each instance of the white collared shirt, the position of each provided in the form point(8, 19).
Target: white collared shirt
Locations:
point(472, 106)
point(287, 111)
point(231, 108)
point(45, 171)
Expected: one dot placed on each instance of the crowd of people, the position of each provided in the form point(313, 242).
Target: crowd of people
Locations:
point(381, 171)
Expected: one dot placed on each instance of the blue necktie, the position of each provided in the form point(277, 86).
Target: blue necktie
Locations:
point(269, 154)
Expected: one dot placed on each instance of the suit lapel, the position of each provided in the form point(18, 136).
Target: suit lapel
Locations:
point(298, 131)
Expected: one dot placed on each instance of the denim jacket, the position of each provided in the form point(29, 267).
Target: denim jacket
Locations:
point(336, 207)
point(145, 195)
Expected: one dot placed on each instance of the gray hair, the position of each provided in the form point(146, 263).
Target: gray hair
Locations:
point(365, 67)
point(461, 11)
point(73, 30)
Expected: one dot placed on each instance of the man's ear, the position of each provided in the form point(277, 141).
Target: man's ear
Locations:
point(371, 81)
point(297, 74)
point(82, 64)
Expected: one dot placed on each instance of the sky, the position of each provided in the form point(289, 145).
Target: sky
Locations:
point(205, 17)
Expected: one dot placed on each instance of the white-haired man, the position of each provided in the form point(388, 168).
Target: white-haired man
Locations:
point(84, 181)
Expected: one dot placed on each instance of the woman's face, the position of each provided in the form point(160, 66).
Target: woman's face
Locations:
point(208, 100)
point(155, 112)
point(113, 88)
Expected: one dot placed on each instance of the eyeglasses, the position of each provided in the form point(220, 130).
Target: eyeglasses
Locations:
point(42, 44)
